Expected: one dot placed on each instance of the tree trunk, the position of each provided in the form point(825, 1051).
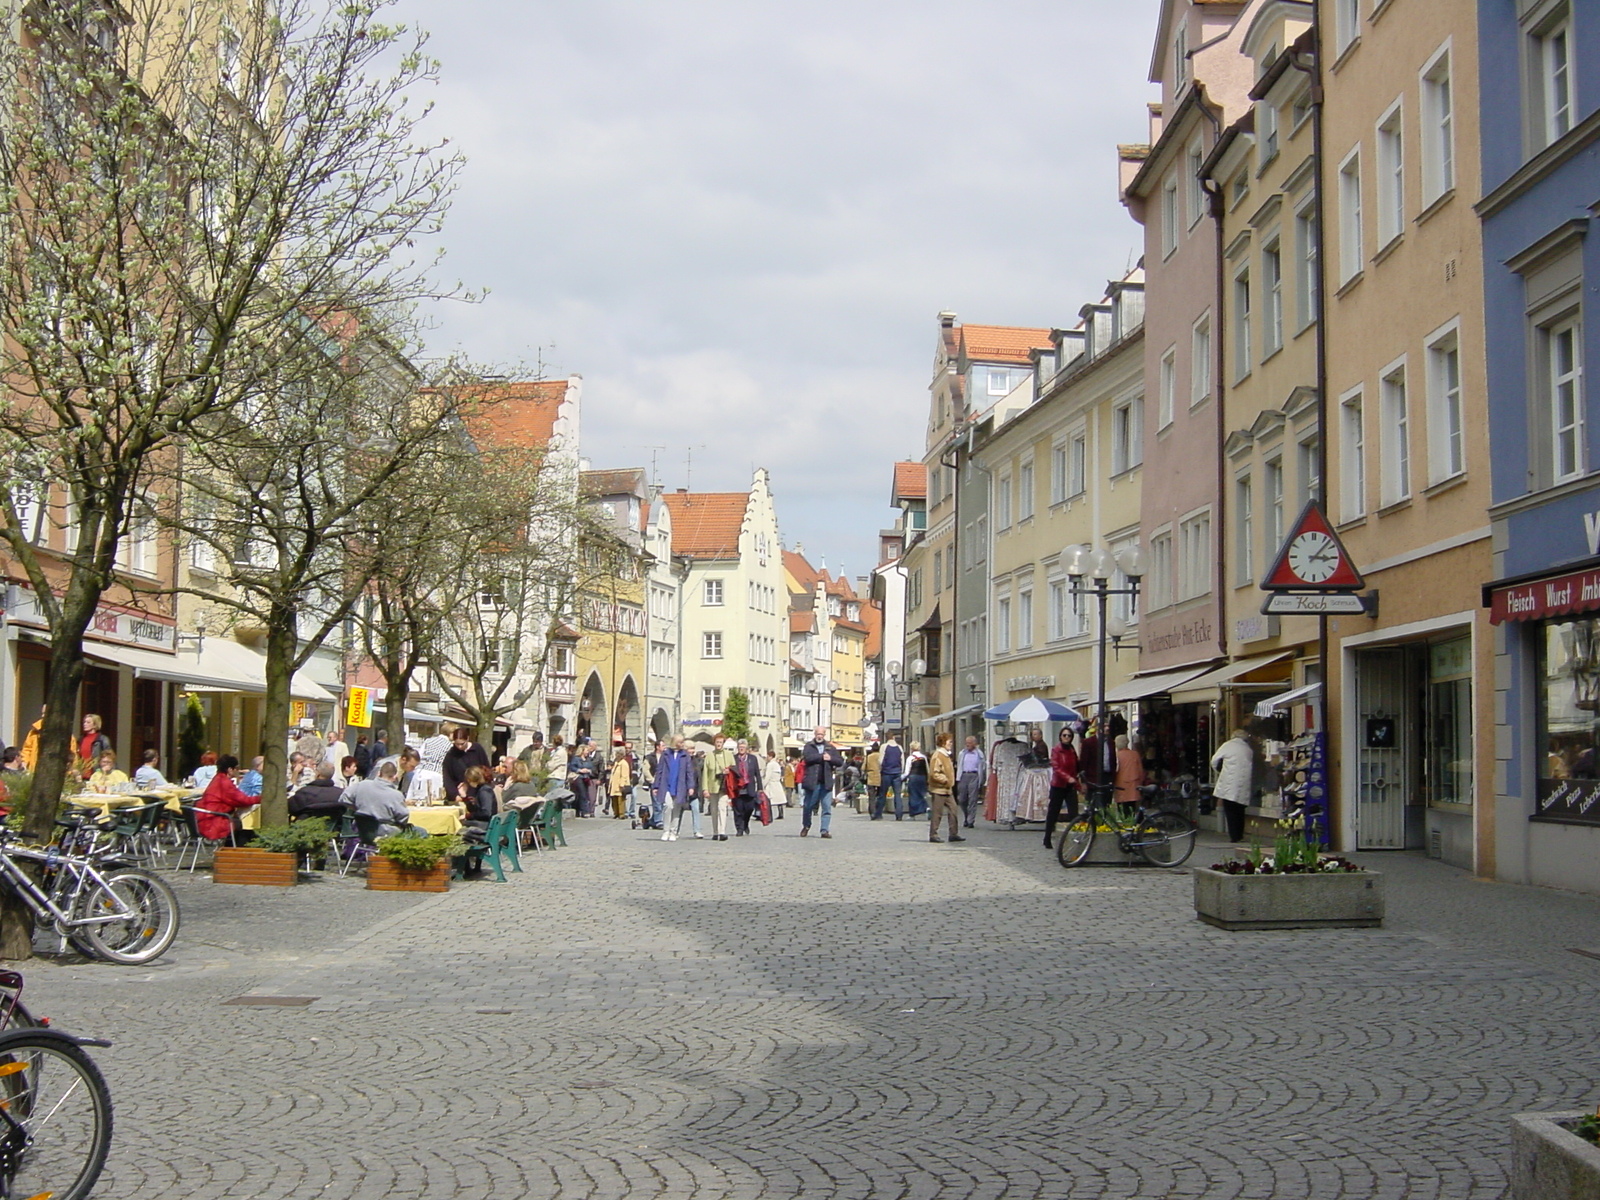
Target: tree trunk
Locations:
point(395, 699)
point(282, 643)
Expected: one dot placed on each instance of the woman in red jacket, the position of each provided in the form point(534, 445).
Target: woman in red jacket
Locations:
point(1063, 785)
point(222, 797)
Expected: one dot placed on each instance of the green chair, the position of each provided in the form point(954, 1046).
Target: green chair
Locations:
point(548, 824)
point(500, 843)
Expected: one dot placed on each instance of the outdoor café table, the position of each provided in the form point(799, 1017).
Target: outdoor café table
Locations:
point(105, 802)
point(437, 819)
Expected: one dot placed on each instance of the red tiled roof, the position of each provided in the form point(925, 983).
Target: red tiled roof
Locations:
point(804, 573)
point(1002, 343)
point(910, 482)
point(514, 415)
point(706, 524)
point(872, 617)
point(802, 621)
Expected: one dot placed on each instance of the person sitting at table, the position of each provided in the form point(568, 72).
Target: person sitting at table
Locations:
point(107, 776)
point(207, 770)
point(381, 798)
point(409, 759)
point(214, 814)
point(149, 773)
point(427, 778)
point(476, 791)
point(250, 782)
point(349, 771)
point(322, 797)
point(301, 772)
point(11, 760)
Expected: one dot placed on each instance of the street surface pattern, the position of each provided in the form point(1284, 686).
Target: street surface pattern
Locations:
point(869, 1016)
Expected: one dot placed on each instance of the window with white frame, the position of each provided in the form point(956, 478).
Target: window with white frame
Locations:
point(980, 550)
point(1346, 24)
point(1200, 360)
point(711, 592)
point(711, 699)
point(137, 550)
point(1057, 617)
point(1438, 129)
point(711, 645)
point(1078, 464)
point(1307, 473)
point(1272, 513)
point(1194, 194)
point(1166, 387)
point(1391, 176)
point(1180, 56)
point(1241, 324)
point(1024, 619)
point(1080, 613)
point(999, 381)
point(1169, 217)
point(1002, 502)
point(1195, 556)
point(1394, 405)
point(1058, 472)
point(1002, 625)
point(1562, 370)
point(1266, 134)
point(1447, 450)
point(1352, 457)
point(1305, 253)
point(1244, 531)
point(1271, 299)
point(1127, 448)
point(1352, 256)
point(1158, 593)
point(1550, 77)
point(1025, 490)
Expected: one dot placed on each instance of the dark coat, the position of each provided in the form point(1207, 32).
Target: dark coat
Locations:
point(456, 764)
point(752, 768)
point(821, 762)
point(688, 786)
point(318, 798)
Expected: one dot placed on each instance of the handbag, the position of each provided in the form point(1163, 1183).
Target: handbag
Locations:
point(765, 808)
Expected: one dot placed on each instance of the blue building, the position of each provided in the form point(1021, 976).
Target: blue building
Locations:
point(1539, 63)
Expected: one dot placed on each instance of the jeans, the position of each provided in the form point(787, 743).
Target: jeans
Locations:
point(917, 794)
point(688, 806)
point(875, 800)
point(658, 811)
point(893, 791)
point(817, 796)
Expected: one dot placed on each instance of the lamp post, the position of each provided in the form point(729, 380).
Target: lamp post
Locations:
point(1096, 564)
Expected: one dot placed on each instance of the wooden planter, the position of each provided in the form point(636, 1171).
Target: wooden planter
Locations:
point(1320, 900)
point(265, 868)
point(1549, 1161)
point(384, 876)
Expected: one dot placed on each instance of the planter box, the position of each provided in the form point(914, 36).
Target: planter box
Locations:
point(384, 876)
point(1549, 1161)
point(264, 868)
point(1326, 900)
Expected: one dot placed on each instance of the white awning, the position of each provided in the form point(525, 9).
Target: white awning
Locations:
point(1228, 672)
point(1152, 685)
point(219, 665)
point(952, 714)
point(149, 664)
point(1284, 699)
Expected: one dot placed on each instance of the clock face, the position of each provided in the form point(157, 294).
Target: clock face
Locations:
point(1313, 557)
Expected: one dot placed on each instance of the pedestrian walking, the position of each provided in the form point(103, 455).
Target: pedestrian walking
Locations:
point(745, 787)
point(1130, 771)
point(891, 770)
point(583, 775)
point(941, 788)
point(714, 768)
point(363, 756)
point(822, 763)
point(874, 771)
point(772, 773)
point(677, 786)
point(1235, 763)
point(971, 774)
point(658, 803)
point(916, 781)
point(619, 783)
point(1063, 786)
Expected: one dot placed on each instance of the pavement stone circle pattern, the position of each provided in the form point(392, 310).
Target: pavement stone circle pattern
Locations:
point(869, 1016)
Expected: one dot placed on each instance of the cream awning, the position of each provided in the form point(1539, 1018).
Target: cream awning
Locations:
point(1203, 687)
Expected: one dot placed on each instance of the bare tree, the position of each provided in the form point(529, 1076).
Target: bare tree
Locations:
point(186, 192)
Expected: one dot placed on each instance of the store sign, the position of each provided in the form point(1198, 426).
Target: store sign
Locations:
point(1564, 594)
point(107, 624)
point(358, 708)
point(1315, 603)
point(1023, 683)
point(703, 721)
point(1569, 801)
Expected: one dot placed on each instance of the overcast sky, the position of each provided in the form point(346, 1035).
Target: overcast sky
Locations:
point(738, 219)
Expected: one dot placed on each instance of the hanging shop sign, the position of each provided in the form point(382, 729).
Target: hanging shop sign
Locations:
point(358, 708)
point(1558, 596)
point(1321, 604)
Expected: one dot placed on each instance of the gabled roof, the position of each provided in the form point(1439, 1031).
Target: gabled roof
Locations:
point(511, 415)
point(804, 573)
point(802, 620)
point(910, 482)
point(1002, 343)
point(872, 618)
point(706, 524)
point(628, 481)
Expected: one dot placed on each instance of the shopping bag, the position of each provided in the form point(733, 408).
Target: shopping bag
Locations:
point(766, 809)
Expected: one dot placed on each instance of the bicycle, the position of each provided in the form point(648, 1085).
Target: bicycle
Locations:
point(105, 908)
point(1161, 838)
point(55, 1109)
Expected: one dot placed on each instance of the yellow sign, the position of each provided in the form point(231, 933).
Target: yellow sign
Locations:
point(358, 709)
point(297, 711)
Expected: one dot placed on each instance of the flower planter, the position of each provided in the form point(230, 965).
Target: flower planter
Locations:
point(264, 868)
point(1549, 1161)
point(1316, 900)
point(384, 876)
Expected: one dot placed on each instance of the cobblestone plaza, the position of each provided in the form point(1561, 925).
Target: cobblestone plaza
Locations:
point(869, 1016)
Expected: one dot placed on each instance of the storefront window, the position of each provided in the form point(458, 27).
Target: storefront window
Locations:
point(1450, 721)
point(1569, 722)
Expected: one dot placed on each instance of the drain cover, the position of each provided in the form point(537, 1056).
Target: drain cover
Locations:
point(274, 1001)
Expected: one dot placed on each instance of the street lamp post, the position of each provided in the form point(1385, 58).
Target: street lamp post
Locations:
point(1097, 563)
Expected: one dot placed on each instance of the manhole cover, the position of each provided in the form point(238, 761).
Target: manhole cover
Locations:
point(274, 1001)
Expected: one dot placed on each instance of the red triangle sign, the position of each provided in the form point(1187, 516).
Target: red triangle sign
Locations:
point(1313, 559)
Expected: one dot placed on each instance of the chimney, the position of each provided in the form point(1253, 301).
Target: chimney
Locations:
point(947, 319)
point(683, 491)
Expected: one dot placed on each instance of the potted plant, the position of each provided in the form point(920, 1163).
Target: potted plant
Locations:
point(1297, 887)
point(273, 858)
point(1555, 1156)
point(406, 863)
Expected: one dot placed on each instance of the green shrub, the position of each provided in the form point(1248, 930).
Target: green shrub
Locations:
point(419, 853)
point(303, 837)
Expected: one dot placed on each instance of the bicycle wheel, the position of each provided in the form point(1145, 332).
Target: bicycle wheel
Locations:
point(1165, 839)
point(148, 929)
point(55, 1118)
point(1075, 841)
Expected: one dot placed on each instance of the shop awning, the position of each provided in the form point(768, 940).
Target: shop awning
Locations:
point(173, 668)
point(1284, 700)
point(952, 714)
point(1552, 596)
point(1152, 685)
point(219, 666)
point(1200, 686)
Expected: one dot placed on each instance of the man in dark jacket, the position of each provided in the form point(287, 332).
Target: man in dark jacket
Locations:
point(821, 758)
point(463, 754)
point(322, 797)
point(891, 770)
point(363, 756)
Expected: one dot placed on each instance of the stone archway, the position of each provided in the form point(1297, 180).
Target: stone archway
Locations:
point(592, 710)
point(661, 727)
point(629, 715)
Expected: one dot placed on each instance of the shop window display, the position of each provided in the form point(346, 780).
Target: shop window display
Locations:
point(1569, 722)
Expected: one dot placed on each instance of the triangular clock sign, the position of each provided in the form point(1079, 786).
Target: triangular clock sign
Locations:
point(1313, 558)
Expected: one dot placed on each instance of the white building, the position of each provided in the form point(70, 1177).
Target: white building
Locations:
point(664, 594)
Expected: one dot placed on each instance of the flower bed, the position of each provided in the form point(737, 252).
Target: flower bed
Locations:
point(1309, 899)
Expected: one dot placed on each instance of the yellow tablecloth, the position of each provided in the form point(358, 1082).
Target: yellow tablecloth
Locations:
point(105, 803)
point(445, 819)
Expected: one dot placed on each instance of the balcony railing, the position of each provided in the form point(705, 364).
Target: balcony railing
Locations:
point(560, 687)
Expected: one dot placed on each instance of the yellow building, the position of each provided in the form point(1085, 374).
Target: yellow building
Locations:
point(613, 630)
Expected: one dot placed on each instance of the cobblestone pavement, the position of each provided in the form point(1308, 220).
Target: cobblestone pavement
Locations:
point(868, 1016)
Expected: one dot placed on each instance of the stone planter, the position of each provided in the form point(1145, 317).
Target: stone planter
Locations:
point(264, 868)
point(1325, 900)
point(384, 876)
point(1549, 1161)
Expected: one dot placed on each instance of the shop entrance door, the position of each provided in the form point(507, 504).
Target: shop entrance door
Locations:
point(1385, 748)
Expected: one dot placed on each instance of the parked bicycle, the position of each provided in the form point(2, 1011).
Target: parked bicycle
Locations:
point(103, 906)
point(55, 1108)
point(1162, 838)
